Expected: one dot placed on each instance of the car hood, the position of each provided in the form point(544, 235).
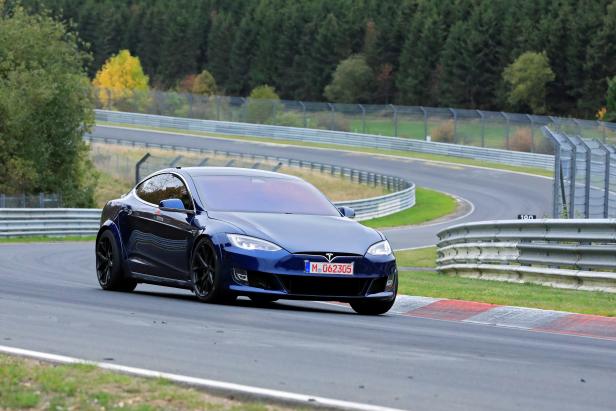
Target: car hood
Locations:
point(302, 233)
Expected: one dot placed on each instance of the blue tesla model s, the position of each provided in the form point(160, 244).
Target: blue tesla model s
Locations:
point(228, 232)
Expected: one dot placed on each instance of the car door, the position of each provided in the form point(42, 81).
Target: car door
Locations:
point(159, 242)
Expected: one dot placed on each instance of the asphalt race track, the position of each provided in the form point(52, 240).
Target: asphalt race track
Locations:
point(494, 194)
point(50, 301)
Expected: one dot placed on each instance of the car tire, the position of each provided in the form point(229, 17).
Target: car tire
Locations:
point(377, 307)
point(206, 274)
point(109, 269)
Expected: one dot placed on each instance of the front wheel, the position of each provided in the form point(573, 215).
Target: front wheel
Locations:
point(109, 267)
point(207, 275)
point(372, 307)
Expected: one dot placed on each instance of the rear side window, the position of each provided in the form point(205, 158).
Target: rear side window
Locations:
point(163, 187)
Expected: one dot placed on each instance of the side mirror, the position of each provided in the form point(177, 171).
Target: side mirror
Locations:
point(347, 212)
point(174, 205)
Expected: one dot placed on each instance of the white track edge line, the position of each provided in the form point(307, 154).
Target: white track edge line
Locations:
point(264, 393)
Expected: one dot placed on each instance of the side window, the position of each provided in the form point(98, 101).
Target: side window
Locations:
point(163, 187)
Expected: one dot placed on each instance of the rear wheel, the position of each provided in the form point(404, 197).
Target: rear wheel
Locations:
point(206, 274)
point(109, 267)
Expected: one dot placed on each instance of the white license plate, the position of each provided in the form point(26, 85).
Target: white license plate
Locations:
point(328, 268)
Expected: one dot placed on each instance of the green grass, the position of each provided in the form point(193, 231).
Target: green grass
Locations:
point(398, 153)
point(433, 284)
point(35, 385)
point(46, 239)
point(430, 205)
point(419, 257)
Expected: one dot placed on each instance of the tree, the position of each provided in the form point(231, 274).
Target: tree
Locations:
point(204, 84)
point(45, 107)
point(528, 77)
point(262, 104)
point(353, 81)
point(120, 78)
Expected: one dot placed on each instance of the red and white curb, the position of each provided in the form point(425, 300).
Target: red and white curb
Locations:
point(532, 319)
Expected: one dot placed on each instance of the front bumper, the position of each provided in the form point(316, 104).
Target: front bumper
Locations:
point(282, 275)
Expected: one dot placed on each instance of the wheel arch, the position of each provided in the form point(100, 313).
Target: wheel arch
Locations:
point(109, 225)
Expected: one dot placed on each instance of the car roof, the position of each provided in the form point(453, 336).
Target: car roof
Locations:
point(233, 171)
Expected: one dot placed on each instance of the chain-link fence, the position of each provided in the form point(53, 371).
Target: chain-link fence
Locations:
point(584, 176)
point(519, 132)
point(41, 200)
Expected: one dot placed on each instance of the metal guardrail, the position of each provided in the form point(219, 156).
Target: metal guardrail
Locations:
point(576, 253)
point(401, 199)
point(27, 222)
point(514, 158)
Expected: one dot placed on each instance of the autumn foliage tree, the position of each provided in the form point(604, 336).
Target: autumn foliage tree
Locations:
point(121, 78)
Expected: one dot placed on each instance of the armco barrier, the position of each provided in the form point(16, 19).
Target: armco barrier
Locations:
point(25, 222)
point(577, 253)
point(515, 158)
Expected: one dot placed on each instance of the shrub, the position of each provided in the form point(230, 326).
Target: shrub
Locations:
point(521, 140)
point(262, 104)
point(444, 133)
point(334, 122)
point(289, 119)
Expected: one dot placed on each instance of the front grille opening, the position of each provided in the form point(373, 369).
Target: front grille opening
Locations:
point(343, 287)
point(262, 280)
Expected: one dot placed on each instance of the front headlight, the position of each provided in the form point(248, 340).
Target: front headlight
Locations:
point(250, 243)
point(380, 248)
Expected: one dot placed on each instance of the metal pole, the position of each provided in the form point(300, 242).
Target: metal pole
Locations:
point(506, 130)
point(425, 116)
point(304, 113)
point(532, 134)
point(606, 178)
point(483, 124)
point(138, 167)
point(218, 108)
point(587, 179)
point(331, 107)
point(395, 120)
point(455, 125)
point(363, 118)
point(572, 174)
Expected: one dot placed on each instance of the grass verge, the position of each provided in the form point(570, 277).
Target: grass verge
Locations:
point(46, 239)
point(430, 205)
point(400, 153)
point(34, 385)
point(433, 284)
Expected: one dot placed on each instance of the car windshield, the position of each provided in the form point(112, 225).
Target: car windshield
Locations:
point(262, 195)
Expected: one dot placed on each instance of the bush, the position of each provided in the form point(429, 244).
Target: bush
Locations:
point(521, 140)
point(444, 133)
point(289, 119)
point(262, 104)
point(334, 122)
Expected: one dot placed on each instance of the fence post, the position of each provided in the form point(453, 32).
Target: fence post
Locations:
point(274, 111)
point(603, 130)
point(506, 130)
point(218, 108)
point(532, 133)
point(243, 110)
point(138, 167)
point(425, 116)
point(483, 137)
point(41, 200)
point(572, 175)
point(395, 120)
point(2, 200)
point(587, 178)
point(455, 124)
point(304, 113)
point(557, 177)
point(363, 118)
point(331, 107)
point(606, 181)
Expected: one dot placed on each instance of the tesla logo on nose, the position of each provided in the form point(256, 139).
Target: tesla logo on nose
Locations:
point(329, 256)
